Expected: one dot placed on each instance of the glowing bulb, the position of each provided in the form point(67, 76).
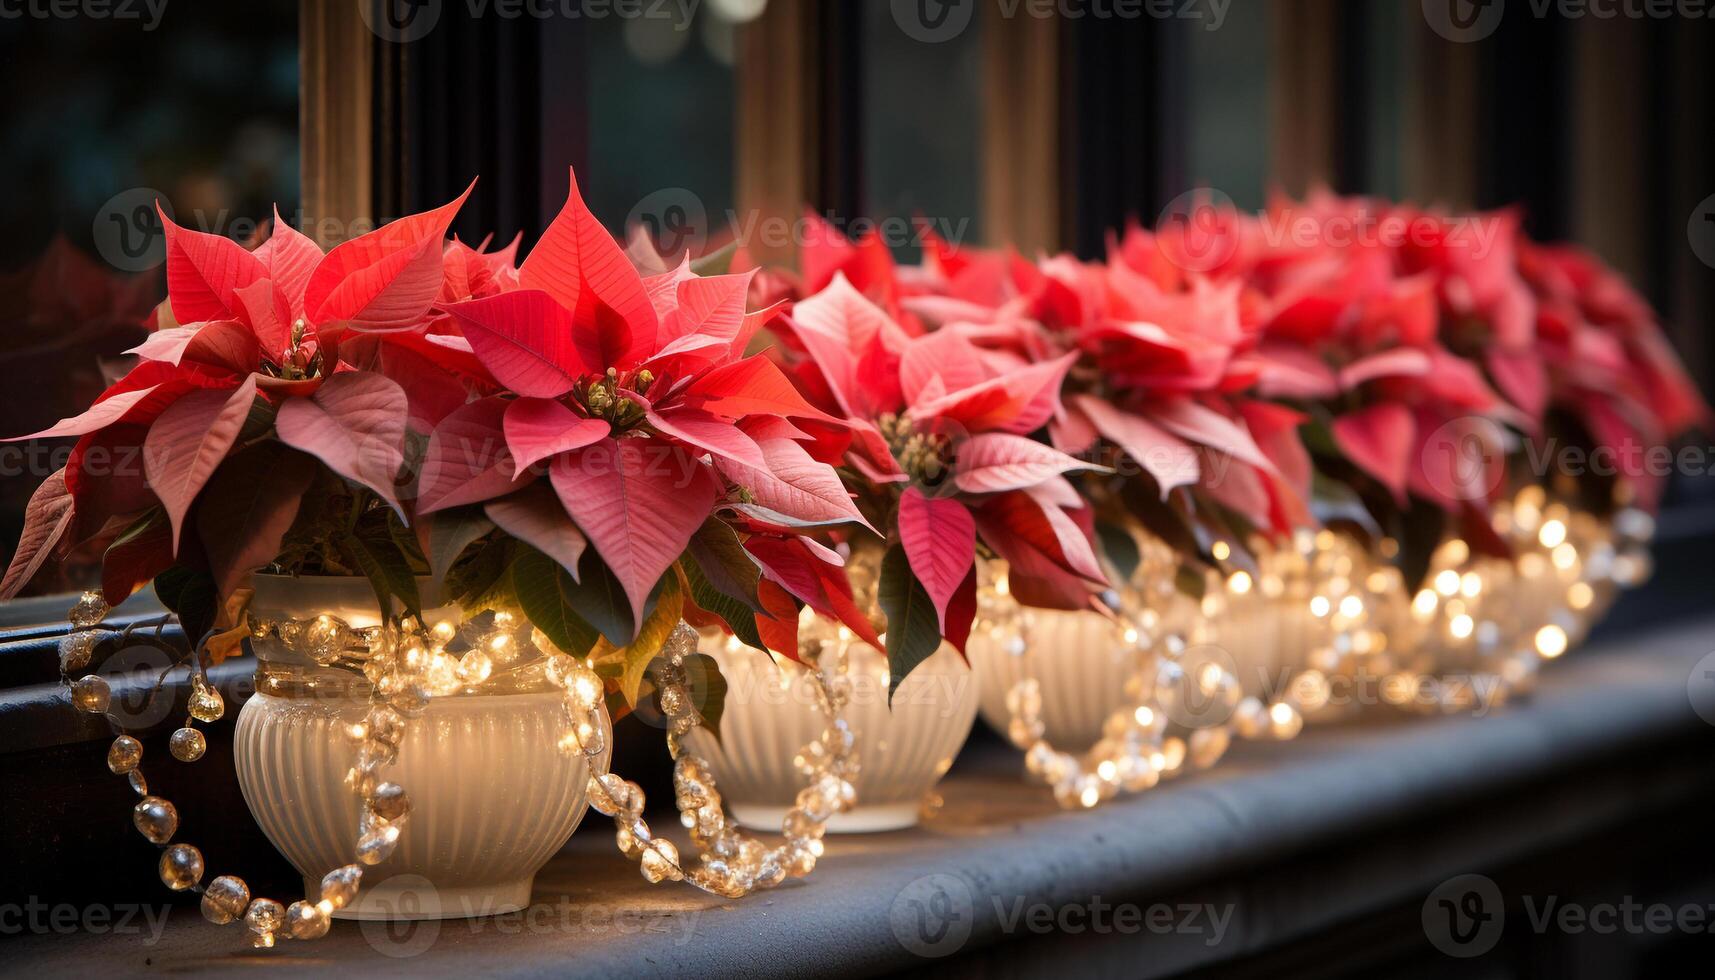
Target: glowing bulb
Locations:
point(1551, 641)
point(1461, 626)
point(1424, 603)
point(1447, 582)
point(1145, 716)
point(1221, 550)
point(1240, 583)
point(1552, 533)
point(1319, 606)
point(1580, 595)
point(1565, 556)
point(1471, 584)
point(1351, 607)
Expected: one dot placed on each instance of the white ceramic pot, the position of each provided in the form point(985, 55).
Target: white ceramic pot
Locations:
point(771, 712)
point(493, 797)
point(1081, 663)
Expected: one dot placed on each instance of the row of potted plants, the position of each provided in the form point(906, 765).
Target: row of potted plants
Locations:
point(1205, 486)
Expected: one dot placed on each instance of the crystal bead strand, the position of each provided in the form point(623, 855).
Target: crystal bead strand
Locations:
point(731, 864)
point(396, 694)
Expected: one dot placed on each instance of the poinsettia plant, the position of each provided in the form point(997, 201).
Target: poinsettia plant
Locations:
point(623, 464)
point(242, 439)
point(942, 441)
point(1158, 383)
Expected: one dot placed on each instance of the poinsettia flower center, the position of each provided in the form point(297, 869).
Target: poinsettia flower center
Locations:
point(924, 456)
point(301, 359)
point(609, 397)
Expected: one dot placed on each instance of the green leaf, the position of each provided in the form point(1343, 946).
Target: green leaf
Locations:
point(450, 533)
point(381, 561)
point(716, 263)
point(189, 593)
point(1120, 549)
point(726, 566)
point(481, 581)
point(599, 598)
point(738, 617)
point(544, 589)
point(913, 628)
point(708, 690)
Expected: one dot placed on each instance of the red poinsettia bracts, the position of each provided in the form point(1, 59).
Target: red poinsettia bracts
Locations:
point(941, 432)
point(633, 397)
point(251, 354)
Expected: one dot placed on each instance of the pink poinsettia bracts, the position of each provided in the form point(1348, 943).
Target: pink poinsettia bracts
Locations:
point(941, 427)
point(633, 397)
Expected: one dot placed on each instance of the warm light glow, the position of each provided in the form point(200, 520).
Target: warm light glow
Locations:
point(1580, 595)
point(1240, 583)
point(1461, 626)
point(1001, 587)
point(1551, 641)
point(1565, 556)
point(1551, 534)
point(1319, 606)
point(1145, 716)
point(1424, 603)
point(1447, 582)
point(1351, 607)
point(1280, 713)
point(1221, 550)
point(1471, 584)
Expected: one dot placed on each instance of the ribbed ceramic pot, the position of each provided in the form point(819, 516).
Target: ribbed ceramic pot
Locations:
point(772, 711)
point(1080, 660)
point(493, 797)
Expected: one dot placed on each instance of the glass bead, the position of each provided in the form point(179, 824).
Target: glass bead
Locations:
point(124, 755)
point(376, 844)
point(206, 702)
point(340, 885)
point(324, 640)
point(187, 744)
point(674, 701)
point(660, 862)
point(1170, 688)
point(265, 916)
point(76, 649)
point(476, 666)
point(89, 609)
point(307, 920)
point(91, 694)
point(441, 676)
point(139, 785)
point(591, 738)
point(1024, 733)
point(156, 819)
point(560, 668)
point(409, 700)
point(225, 899)
point(181, 867)
point(389, 801)
point(585, 686)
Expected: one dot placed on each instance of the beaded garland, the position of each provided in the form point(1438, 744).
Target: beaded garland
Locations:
point(408, 664)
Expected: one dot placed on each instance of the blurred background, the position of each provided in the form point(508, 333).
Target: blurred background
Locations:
point(1041, 122)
